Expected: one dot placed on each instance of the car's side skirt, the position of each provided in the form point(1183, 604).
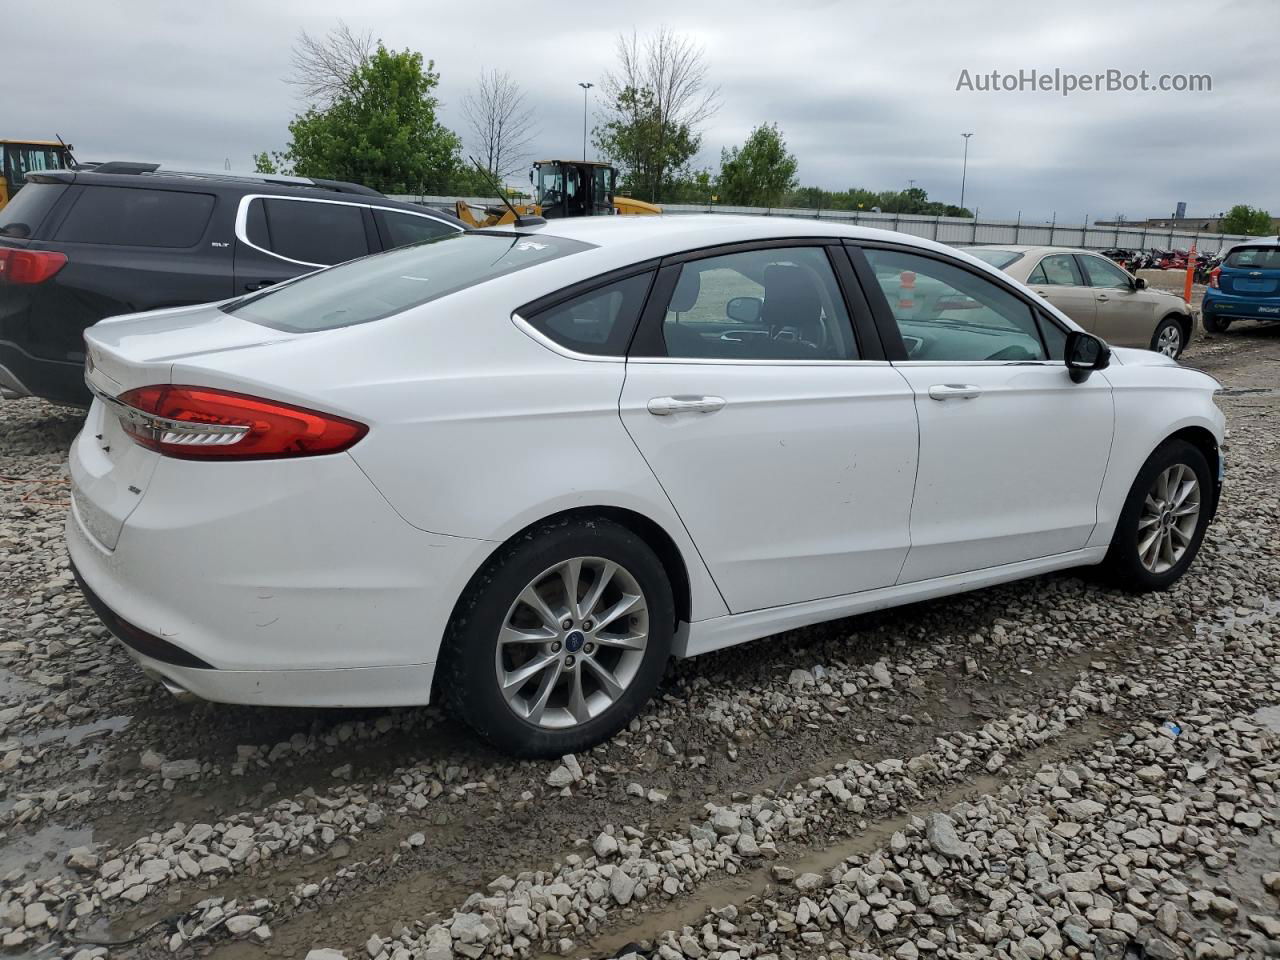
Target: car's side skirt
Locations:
point(714, 634)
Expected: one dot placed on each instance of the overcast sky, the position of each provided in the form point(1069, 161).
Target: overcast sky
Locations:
point(865, 92)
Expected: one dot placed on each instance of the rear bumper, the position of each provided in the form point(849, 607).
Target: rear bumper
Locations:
point(1235, 305)
point(23, 375)
point(286, 583)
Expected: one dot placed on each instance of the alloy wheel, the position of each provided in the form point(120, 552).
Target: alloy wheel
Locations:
point(1170, 341)
point(572, 642)
point(1168, 519)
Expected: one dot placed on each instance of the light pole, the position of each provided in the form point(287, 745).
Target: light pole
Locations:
point(965, 169)
point(585, 87)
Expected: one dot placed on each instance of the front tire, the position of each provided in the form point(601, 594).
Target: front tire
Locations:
point(1163, 520)
point(1169, 338)
point(561, 639)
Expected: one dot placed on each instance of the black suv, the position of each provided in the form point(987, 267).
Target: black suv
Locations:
point(80, 245)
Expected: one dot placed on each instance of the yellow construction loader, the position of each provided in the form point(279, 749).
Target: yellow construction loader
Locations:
point(20, 157)
point(562, 188)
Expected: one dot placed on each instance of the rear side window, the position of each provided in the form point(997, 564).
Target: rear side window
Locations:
point(315, 232)
point(397, 280)
point(1249, 258)
point(23, 215)
point(129, 217)
point(600, 322)
point(402, 229)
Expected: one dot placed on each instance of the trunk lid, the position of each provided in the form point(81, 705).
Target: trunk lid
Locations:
point(109, 471)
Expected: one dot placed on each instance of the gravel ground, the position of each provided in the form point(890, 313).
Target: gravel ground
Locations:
point(1044, 769)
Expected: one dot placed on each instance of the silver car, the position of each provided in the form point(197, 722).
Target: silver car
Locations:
point(1103, 298)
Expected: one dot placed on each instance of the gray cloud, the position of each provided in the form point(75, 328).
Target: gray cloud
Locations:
point(865, 92)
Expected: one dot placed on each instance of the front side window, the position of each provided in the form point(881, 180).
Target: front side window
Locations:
point(136, 217)
point(945, 313)
point(599, 322)
point(1104, 273)
point(315, 232)
point(774, 304)
point(389, 283)
point(402, 229)
point(1057, 270)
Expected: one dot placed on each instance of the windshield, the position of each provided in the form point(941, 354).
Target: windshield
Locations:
point(384, 284)
point(996, 257)
point(21, 160)
point(1254, 258)
point(550, 185)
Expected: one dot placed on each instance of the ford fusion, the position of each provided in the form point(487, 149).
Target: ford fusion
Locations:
point(521, 469)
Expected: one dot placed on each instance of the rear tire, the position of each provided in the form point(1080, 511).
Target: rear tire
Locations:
point(1163, 520)
point(537, 675)
point(1169, 338)
point(1215, 324)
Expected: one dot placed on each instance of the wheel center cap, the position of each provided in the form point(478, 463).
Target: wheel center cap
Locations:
point(574, 641)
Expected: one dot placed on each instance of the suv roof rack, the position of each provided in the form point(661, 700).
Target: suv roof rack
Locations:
point(129, 167)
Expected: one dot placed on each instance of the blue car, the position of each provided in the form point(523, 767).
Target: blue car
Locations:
point(1245, 287)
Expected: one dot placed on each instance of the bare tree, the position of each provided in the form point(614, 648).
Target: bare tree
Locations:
point(502, 123)
point(672, 70)
point(323, 66)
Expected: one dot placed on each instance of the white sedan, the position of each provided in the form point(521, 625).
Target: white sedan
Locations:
point(522, 468)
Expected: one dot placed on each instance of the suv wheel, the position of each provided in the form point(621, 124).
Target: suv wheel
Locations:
point(561, 640)
point(1163, 520)
point(1215, 324)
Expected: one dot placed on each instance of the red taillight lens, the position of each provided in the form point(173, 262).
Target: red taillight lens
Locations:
point(29, 266)
point(1213, 277)
point(200, 423)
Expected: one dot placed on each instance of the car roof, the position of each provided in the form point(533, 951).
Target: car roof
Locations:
point(1028, 248)
point(1256, 242)
point(642, 237)
point(236, 184)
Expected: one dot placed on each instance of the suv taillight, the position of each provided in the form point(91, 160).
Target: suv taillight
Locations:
point(201, 423)
point(29, 266)
point(1213, 277)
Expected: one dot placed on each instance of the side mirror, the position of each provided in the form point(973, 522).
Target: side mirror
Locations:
point(744, 309)
point(1084, 354)
point(1139, 283)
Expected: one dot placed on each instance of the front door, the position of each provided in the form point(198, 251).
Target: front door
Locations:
point(789, 457)
point(1012, 452)
point(1126, 315)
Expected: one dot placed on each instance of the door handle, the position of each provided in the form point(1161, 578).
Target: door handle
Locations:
point(259, 285)
point(1102, 298)
point(954, 391)
point(666, 406)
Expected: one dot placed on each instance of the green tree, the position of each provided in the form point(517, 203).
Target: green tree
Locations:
point(760, 172)
point(651, 154)
point(1247, 220)
point(381, 132)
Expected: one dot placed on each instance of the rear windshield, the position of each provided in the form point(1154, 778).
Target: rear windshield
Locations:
point(1256, 258)
point(22, 215)
point(997, 258)
point(388, 283)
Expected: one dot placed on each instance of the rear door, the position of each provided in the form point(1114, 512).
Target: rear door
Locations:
point(786, 444)
point(1057, 278)
point(278, 238)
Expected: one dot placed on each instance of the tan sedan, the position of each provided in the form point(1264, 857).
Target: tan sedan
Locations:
point(1102, 298)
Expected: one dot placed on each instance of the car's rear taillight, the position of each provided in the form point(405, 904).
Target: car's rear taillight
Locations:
point(29, 266)
point(1213, 277)
point(201, 423)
